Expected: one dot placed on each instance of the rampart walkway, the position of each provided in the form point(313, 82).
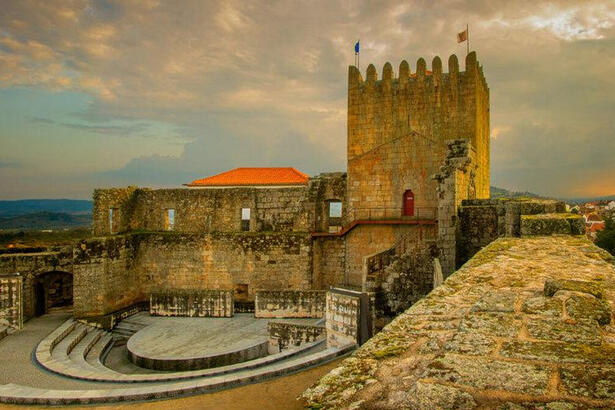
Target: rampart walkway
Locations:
point(525, 322)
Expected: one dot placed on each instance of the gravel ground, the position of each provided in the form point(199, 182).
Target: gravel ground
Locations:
point(16, 357)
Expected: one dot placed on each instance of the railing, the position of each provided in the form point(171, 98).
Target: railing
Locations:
point(356, 214)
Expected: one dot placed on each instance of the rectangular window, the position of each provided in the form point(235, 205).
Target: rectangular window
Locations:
point(169, 222)
point(245, 219)
point(113, 219)
point(335, 209)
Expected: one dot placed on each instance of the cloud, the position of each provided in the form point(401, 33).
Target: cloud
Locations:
point(265, 83)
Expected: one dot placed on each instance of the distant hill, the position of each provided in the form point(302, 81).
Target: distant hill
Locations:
point(29, 206)
point(505, 193)
point(590, 199)
point(45, 220)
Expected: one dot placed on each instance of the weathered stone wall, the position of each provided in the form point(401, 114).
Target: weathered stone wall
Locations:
point(397, 128)
point(407, 280)
point(105, 276)
point(526, 323)
point(365, 240)
point(31, 266)
point(286, 335)
point(224, 260)
point(122, 200)
point(11, 291)
point(456, 182)
point(119, 271)
point(323, 189)
point(329, 261)
point(548, 224)
point(280, 209)
point(192, 303)
point(481, 221)
point(342, 319)
point(290, 303)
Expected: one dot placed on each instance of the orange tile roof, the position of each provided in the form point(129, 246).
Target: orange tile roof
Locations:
point(254, 176)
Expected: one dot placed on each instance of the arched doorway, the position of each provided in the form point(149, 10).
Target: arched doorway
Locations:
point(408, 205)
point(53, 290)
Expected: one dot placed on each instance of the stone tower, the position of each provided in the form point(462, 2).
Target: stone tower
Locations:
point(397, 132)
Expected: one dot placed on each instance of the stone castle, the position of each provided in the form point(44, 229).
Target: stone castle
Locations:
point(400, 188)
point(354, 248)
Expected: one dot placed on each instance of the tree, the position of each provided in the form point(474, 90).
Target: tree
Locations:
point(606, 237)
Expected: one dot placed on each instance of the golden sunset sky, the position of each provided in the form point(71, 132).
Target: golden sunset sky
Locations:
point(158, 93)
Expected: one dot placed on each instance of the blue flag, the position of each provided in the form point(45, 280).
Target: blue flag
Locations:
point(356, 48)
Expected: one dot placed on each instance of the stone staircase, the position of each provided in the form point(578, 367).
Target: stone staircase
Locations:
point(129, 326)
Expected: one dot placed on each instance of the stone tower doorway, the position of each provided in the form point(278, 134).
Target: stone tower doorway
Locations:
point(408, 206)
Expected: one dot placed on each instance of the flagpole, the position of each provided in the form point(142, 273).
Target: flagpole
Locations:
point(468, 42)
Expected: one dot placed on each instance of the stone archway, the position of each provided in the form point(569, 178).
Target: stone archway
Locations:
point(53, 289)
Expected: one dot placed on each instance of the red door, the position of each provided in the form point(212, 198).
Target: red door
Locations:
point(408, 203)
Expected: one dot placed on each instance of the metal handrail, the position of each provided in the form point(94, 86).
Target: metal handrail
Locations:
point(356, 214)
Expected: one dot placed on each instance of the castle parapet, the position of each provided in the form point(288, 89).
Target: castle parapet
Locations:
point(472, 70)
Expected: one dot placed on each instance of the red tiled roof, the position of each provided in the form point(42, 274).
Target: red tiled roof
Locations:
point(596, 226)
point(254, 176)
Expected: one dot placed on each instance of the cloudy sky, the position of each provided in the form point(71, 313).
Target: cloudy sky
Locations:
point(157, 93)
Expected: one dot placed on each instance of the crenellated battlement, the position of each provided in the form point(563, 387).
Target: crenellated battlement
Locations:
point(406, 76)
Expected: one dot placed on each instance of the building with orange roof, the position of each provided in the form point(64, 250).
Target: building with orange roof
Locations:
point(253, 177)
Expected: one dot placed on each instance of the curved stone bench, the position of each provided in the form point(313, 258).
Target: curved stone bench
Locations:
point(91, 366)
point(17, 394)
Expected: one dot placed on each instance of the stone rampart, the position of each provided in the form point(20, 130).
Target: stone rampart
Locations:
point(526, 323)
point(289, 304)
point(192, 303)
point(481, 221)
point(11, 297)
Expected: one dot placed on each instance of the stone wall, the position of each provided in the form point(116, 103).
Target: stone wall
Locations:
point(11, 311)
point(329, 261)
point(342, 319)
point(116, 272)
point(32, 266)
point(481, 221)
point(365, 240)
point(224, 260)
point(286, 335)
point(289, 303)
point(526, 323)
point(456, 182)
point(192, 303)
point(406, 280)
point(105, 276)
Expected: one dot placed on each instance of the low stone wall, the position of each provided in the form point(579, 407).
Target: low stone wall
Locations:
point(549, 224)
point(482, 221)
point(11, 293)
point(192, 303)
point(349, 317)
point(526, 323)
point(289, 303)
point(109, 320)
point(285, 335)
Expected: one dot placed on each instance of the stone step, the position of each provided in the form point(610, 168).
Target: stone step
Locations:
point(18, 394)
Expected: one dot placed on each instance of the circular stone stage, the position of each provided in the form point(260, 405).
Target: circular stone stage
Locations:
point(184, 343)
